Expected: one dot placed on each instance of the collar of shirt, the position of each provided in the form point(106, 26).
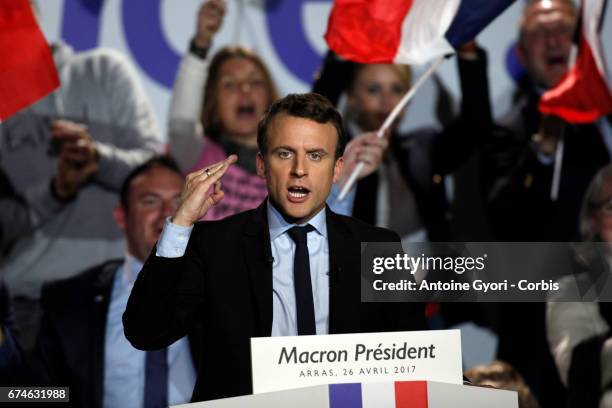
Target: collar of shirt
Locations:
point(129, 272)
point(278, 225)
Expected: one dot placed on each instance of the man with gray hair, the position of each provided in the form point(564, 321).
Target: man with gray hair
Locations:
point(520, 157)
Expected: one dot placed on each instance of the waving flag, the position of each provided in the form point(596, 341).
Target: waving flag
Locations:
point(27, 71)
point(406, 31)
point(585, 93)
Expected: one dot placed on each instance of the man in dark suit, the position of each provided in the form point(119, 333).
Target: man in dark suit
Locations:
point(81, 343)
point(289, 267)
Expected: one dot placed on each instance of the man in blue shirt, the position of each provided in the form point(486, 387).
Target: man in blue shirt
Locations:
point(289, 267)
point(81, 342)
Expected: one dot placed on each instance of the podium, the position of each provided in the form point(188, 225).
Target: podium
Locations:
point(401, 394)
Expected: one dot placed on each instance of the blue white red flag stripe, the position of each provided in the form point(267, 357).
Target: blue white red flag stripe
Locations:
point(379, 394)
point(472, 17)
point(411, 394)
point(345, 395)
point(401, 394)
point(406, 31)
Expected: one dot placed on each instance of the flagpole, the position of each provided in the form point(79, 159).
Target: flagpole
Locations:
point(389, 120)
point(556, 181)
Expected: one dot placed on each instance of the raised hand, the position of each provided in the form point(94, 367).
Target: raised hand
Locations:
point(366, 148)
point(77, 157)
point(195, 201)
point(210, 18)
point(551, 129)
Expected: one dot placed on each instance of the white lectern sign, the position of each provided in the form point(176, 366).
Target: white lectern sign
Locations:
point(281, 363)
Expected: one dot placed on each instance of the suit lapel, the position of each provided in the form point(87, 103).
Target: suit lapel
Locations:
point(100, 299)
point(258, 259)
point(343, 317)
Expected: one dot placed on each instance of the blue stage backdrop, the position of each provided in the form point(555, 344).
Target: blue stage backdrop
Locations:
point(287, 33)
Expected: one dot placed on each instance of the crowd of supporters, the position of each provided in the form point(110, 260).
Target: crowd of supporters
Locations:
point(85, 191)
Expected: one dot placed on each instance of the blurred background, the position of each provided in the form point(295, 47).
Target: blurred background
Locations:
point(287, 34)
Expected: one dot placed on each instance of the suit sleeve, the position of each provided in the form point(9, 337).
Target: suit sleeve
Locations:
point(402, 316)
point(138, 136)
point(459, 140)
point(185, 132)
point(585, 373)
point(166, 298)
point(48, 364)
point(334, 77)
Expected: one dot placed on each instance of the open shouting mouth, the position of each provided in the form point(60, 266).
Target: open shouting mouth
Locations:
point(297, 194)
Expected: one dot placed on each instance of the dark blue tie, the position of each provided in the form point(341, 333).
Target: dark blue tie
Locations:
point(301, 281)
point(156, 379)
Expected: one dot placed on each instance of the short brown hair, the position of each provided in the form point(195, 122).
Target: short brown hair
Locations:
point(208, 115)
point(164, 162)
point(309, 106)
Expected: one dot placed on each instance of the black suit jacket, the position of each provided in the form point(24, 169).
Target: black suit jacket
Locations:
point(70, 344)
point(224, 280)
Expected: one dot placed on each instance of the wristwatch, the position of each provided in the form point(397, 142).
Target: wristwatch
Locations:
point(199, 52)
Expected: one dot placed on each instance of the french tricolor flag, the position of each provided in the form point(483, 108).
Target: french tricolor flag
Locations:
point(27, 70)
point(406, 31)
point(401, 394)
point(585, 93)
point(417, 394)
